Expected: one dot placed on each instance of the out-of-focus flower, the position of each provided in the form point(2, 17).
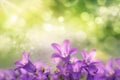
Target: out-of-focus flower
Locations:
point(76, 68)
point(25, 63)
point(90, 65)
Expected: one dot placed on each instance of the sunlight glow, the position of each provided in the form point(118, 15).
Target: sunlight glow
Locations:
point(61, 19)
point(48, 27)
point(13, 18)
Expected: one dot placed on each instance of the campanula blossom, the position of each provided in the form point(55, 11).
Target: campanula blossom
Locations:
point(25, 63)
point(63, 51)
point(113, 69)
point(67, 67)
point(76, 68)
point(91, 65)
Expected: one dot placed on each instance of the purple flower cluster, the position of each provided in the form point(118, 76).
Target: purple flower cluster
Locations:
point(68, 67)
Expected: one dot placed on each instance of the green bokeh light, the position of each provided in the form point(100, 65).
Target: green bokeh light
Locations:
point(32, 26)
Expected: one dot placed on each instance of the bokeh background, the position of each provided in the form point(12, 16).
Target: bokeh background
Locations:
point(32, 25)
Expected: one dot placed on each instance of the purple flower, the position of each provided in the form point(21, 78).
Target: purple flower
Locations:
point(91, 66)
point(2, 75)
point(76, 68)
point(109, 68)
point(7, 74)
point(89, 58)
point(118, 62)
point(112, 71)
point(25, 63)
point(31, 71)
point(62, 57)
point(56, 75)
point(68, 68)
point(63, 51)
point(42, 72)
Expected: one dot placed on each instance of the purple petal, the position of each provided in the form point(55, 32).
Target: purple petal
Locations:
point(92, 54)
point(38, 65)
point(77, 66)
point(66, 45)
point(109, 66)
point(29, 67)
point(58, 61)
point(55, 55)
point(90, 77)
point(76, 75)
point(56, 47)
point(118, 62)
point(84, 54)
point(18, 63)
point(92, 69)
point(73, 50)
point(73, 59)
point(26, 56)
point(25, 59)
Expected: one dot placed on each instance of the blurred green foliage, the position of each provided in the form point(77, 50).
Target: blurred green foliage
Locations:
point(32, 25)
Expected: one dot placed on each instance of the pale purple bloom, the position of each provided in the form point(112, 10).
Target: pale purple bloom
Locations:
point(76, 68)
point(63, 51)
point(89, 58)
point(91, 65)
point(2, 75)
point(25, 63)
point(62, 55)
point(67, 67)
point(56, 75)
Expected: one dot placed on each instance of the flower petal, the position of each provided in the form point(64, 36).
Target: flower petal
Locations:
point(84, 54)
point(29, 67)
point(109, 66)
point(92, 54)
point(55, 55)
point(118, 62)
point(92, 69)
point(66, 45)
point(73, 50)
point(56, 47)
point(25, 59)
point(18, 63)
